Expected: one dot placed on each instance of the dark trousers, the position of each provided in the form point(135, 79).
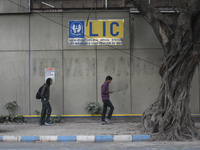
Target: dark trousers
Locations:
point(107, 103)
point(46, 110)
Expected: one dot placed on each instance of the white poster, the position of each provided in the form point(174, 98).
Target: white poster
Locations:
point(50, 73)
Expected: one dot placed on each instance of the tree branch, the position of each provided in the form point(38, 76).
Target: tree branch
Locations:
point(163, 26)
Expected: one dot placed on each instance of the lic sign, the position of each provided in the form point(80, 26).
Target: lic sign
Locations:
point(96, 32)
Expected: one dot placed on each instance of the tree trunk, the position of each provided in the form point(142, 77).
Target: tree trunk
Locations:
point(169, 117)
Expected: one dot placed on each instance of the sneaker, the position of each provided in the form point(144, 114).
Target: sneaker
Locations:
point(41, 124)
point(103, 123)
point(107, 121)
point(48, 123)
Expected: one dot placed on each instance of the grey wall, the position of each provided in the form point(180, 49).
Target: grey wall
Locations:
point(14, 6)
point(31, 42)
point(14, 62)
point(145, 77)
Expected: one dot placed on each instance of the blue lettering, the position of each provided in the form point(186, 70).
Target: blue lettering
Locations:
point(111, 29)
point(91, 30)
point(104, 28)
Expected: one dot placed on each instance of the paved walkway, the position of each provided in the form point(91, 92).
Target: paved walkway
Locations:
point(68, 128)
point(73, 132)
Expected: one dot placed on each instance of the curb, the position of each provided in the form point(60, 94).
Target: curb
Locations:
point(78, 138)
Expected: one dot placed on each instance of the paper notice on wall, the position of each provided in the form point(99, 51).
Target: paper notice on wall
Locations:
point(50, 73)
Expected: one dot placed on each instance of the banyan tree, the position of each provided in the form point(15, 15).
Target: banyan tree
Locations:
point(169, 117)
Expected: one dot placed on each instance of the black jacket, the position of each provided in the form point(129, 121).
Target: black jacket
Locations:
point(45, 93)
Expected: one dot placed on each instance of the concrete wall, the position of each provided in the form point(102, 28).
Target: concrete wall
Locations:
point(14, 62)
point(14, 6)
point(31, 42)
point(145, 77)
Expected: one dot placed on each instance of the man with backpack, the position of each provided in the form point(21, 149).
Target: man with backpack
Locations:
point(46, 107)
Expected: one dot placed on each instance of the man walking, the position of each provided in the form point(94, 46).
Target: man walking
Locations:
point(106, 100)
point(46, 107)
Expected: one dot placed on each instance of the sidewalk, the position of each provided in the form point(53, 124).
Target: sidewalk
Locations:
point(74, 132)
point(91, 131)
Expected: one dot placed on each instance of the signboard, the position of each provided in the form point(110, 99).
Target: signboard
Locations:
point(50, 73)
point(96, 32)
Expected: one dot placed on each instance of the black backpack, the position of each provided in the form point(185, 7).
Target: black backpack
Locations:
point(39, 92)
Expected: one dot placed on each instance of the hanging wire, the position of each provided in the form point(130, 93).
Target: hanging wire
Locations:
point(90, 12)
point(86, 35)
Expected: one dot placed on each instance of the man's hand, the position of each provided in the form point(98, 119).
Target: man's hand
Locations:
point(111, 91)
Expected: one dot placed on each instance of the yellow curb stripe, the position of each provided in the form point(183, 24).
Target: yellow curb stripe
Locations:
point(90, 115)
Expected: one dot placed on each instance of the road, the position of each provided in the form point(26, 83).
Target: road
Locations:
point(102, 146)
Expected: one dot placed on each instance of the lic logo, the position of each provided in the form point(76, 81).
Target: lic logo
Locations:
point(76, 29)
